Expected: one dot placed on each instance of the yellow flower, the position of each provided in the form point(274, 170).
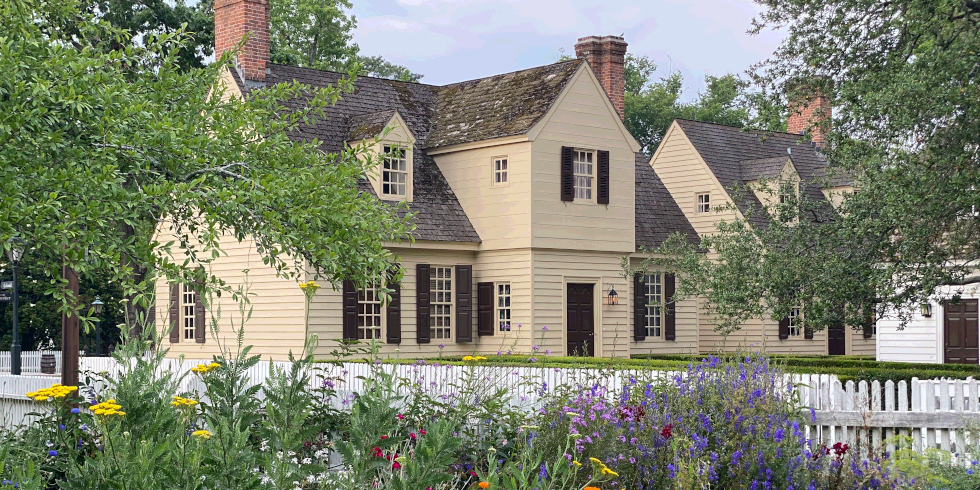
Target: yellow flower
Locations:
point(183, 402)
point(205, 368)
point(479, 358)
point(107, 408)
point(597, 461)
point(467, 358)
point(55, 392)
point(309, 287)
point(201, 434)
point(576, 463)
point(609, 472)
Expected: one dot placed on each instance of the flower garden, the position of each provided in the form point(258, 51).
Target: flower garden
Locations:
point(724, 424)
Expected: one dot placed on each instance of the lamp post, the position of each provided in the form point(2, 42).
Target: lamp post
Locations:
point(15, 252)
point(97, 307)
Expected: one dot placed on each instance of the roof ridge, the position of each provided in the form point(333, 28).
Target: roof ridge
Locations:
point(575, 60)
point(739, 129)
point(359, 76)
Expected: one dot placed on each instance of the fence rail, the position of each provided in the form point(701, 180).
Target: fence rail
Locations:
point(936, 413)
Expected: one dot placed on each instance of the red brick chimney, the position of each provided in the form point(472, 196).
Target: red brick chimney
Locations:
point(806, 114)
point(232, 20)
point(607, 57)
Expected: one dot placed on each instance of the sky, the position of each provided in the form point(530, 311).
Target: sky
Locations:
point(455, 40)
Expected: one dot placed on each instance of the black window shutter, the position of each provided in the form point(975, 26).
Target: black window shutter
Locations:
point(484, 301)
point(350, 310)
point(151, 318)
point(567, 175)
point(394, 314)
point(784, 328)
point(867, 327)
point(464, 303)
point(807, 333)
point(422, 335)
point(639, 308)
point(670, 317)
point(175, 312)
point(602, 197)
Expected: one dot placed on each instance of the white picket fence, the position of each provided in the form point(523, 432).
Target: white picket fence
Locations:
point(30, 361)
point(942, 414)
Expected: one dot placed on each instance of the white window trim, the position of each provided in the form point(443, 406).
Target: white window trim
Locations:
point(593, 176)
point(494, 171)
point(188, 302)
point(386, 148)
point(497, 308)
point(651, 331)
point(382, 326)
point(795, 327)
point(433, 329)
point(698, 202)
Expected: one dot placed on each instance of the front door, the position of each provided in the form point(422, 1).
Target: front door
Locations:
point(961, 332)
point(836, 340)
point(580, 320)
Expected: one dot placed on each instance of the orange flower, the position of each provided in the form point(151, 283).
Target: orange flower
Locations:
point(591, 488)
point(484, 484)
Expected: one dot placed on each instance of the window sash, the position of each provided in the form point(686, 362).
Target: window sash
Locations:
point(583, 173)
point(704, 203)
point(370, 313)
point(394, 172)
point(441, 304)
point(500, 171)
point(188, 319)
point(653, 294)
point(795, 328)
point(503, 307)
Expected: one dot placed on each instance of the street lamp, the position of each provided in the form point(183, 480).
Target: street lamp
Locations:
point(97, 307)
point(15, 252)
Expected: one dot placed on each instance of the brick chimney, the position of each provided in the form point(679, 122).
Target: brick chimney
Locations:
point(807, 111)
point(232, 20)
point(607, 57)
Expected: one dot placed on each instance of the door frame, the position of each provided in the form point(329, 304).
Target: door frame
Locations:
point(596, 282)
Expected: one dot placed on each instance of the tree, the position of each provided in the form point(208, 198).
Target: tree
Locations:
point(97, 146)
point(651, 106)
point(903, 78)
point(319, 34)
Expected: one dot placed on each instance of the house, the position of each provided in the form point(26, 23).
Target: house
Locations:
point(526, 190)
point(944, 330)
point(707, 167)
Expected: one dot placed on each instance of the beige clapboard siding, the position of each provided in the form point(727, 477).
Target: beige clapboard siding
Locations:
point(501, 214)
point(686, 326)
point(553, 270)
point(582, 119)
point(858, 345)
point(513, 266)
point(276, 324)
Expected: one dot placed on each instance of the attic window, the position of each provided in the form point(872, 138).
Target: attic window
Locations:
point(394, 173)
point(704, 203)
point(500, 170)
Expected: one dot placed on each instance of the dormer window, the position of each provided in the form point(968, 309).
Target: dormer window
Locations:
point(394, 172)
point(584, 173)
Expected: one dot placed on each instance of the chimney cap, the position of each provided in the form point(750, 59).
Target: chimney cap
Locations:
point(602, 39)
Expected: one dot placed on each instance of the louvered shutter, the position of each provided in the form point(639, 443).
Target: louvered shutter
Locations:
point(175, 312)
point(464, 303)
point(394, 314)
point(350, 310)
point(484, 308)
point(784, 328)
point(807, 333)
point(602, 197)
point(567, 175)
point(151, 320)
point(867, 327)
point(423, 300)
point(639, 308)
point(670, 310)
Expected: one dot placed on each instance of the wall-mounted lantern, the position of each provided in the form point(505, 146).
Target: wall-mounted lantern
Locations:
point(926, 309)
point(612, 299)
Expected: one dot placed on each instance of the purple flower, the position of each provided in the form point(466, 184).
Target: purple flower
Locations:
point(61, 426)
point(442, 346)
point(544, 328)
point(52, 453)
point(547, 352)
point(74, 410)
point(535, 347)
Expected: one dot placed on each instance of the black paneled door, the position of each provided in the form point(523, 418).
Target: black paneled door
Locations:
point(961, 332)
point(836, 340)
point(580, 320)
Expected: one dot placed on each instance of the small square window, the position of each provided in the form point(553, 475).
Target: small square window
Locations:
point(704, 203)
point(500, 170)
point(583, 173)
point(394, 172)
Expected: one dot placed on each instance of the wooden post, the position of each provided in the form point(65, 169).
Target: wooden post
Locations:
point(69, 333)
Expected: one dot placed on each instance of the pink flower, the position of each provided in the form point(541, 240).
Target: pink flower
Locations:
point(384, 437)
point(400, 417)
point(421, 432)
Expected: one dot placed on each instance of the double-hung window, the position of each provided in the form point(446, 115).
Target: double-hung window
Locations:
point(503, 307)
point(795, 322)
point(369, 313)
point(394, 172)
point(583, 173)
point(653, 294)
point(188, 299)
point(441, 308)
